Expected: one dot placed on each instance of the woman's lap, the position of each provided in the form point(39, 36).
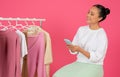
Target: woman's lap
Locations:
point(77, 69)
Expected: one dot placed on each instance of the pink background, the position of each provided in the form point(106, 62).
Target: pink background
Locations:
point(63, 17)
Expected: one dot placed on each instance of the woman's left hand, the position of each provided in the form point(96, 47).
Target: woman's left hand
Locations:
point(73, 48)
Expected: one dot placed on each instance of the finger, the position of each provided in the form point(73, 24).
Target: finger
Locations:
point(69, 45)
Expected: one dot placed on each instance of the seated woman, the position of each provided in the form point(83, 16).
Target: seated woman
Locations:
point(90, 44)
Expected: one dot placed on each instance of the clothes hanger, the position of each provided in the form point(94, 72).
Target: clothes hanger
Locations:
point(41, 24)
point(33, 22)
point(27, 25)
point(26, 21)
point(17, 22)
point(18, 26)
point(9, 25)
point(1, 24)
point(3, 27)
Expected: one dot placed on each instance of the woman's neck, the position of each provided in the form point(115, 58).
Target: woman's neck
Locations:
point(94, 26)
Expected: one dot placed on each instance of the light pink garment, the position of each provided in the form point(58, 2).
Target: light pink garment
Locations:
point(36, 49)
point(9, 54)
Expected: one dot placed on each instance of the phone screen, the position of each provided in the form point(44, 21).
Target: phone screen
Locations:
point(67, 41)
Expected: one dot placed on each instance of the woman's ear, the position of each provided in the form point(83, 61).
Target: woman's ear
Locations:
point(100, 18)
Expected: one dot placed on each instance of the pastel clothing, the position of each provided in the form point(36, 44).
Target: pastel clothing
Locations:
point(35, 57)
point(48, 46)
point(23, 45)
point(79, 69)
point(9, 54)
point(93, 41)
point(48, 59)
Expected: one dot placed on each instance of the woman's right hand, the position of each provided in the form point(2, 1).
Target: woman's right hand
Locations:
point(73, 48)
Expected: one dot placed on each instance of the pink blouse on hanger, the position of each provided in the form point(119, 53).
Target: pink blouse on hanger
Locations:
point(9, 54)
point(36, 49)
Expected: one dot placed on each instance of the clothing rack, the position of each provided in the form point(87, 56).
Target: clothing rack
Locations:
point(23, 19)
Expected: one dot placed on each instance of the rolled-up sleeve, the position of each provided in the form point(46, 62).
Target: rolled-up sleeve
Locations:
point(99, 53)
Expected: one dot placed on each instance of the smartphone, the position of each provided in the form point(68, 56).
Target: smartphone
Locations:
point(67, 41)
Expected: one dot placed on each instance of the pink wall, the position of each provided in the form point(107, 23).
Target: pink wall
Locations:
point(63, 19)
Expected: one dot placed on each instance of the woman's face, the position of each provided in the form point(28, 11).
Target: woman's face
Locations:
point(93, 16)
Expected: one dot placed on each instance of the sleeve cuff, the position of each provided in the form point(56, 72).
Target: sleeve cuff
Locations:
point(92, 57)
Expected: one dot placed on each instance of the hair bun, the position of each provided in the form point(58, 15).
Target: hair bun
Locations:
point(107, 11)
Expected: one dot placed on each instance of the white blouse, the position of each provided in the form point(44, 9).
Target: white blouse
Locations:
point(93, 41)
point(23, 45)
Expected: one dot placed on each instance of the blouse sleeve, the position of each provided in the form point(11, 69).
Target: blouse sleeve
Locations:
point(48, 50)
point(75, 40)
point(99, 53)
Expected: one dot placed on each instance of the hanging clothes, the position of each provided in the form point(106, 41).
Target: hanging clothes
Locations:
point(35, 57)
point(48, 47)
point(48, 59)
point(9, 54)
point(13, 49)
point(23, 46)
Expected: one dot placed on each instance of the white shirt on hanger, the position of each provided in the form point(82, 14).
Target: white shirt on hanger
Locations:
point(23, 45)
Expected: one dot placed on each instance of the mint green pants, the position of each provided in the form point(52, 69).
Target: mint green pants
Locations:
point(78, 69)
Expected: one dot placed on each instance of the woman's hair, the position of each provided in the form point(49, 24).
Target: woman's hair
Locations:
point(103, 11)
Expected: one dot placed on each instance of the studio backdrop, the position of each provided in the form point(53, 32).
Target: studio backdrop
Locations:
point(63, 18)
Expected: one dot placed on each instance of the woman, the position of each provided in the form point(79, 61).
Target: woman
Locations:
point(90, 45)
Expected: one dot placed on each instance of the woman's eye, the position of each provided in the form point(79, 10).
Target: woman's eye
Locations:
point(92, 14)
